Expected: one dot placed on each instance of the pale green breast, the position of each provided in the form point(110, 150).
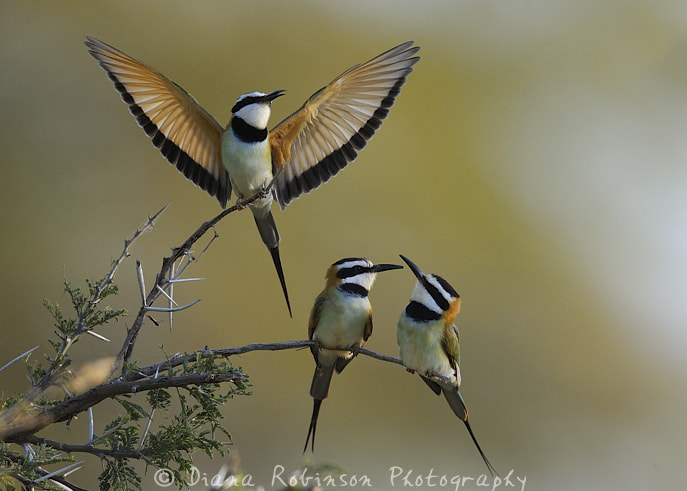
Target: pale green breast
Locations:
point(421, 346)
point(342, 323)
point(249, 164)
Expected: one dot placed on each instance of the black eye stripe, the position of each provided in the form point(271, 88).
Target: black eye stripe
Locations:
point(245, 102)
point(435, 294)
point(446, 286)
point(352, 271)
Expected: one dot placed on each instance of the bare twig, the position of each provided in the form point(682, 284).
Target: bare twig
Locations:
point(96, 335)
point(379, 356)
point(171, 309)
point(61, 472)
point(67, 341)
point(180, 359)
point(162, 280)
point(9, 363)
point(86, 448)
point(141, 281)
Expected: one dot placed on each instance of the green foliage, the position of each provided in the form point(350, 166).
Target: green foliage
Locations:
point(196, 425)
point(192, 413)
point(11, 465)
point(131, 367)
point(158, 399)
point(89, 315)
point(119, 474)
point(121, 437)
point(134, 412)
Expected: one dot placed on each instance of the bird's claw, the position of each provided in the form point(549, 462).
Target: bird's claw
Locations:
point(263, 191)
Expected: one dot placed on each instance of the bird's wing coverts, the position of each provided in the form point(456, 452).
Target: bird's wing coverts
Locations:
point(324, 135)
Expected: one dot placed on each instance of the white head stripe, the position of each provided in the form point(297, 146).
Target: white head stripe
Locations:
point(421, 295)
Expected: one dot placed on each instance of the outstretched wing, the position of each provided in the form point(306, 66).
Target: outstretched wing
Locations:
point(187, 135)
point(322, 137)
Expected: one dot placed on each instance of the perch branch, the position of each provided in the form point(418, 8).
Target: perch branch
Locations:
point(16, 429)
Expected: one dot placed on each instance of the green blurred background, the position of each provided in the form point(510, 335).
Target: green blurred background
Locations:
point(535, 159)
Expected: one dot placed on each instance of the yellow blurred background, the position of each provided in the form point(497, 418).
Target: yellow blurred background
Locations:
point(535, 159)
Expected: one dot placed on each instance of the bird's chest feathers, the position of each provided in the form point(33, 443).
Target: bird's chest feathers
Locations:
point(249, 164)
point(421, 348)
point(342, 324)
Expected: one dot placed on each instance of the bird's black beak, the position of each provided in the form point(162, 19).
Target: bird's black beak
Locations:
point(413, 267)
point(378, 268)
point(273, 95)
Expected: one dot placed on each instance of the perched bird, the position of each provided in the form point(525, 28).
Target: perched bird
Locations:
point(340, 323)
point(299, 154)
point(429, 341)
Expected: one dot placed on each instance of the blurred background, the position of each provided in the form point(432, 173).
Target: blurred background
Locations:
point(535, 159)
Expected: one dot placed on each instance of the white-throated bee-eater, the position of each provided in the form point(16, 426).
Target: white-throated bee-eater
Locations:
point(429, 341)
point(340, 323)
point(300, 153)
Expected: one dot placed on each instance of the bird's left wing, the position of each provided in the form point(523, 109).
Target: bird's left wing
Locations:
point(187, 135)
point(451, 346)
point(318, 140)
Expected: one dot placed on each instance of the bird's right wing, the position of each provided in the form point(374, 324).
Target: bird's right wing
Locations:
point(187, 135)
point(315, 319)
point(323, 136)
point(367, 331)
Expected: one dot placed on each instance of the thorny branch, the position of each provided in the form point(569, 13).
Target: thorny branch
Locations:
point(162, 280)
point(10, 430)
point(19, 422)
point(139, 381)
point(17, 431)
point(59, 480)
point(179, 359)
point(68, 340)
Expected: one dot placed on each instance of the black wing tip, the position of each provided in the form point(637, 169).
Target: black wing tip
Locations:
point(406, 47)
point(92, 43)
point(99, 49)
point(193, 171)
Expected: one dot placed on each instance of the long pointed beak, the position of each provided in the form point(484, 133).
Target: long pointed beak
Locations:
point(274, 94)
point(378, 268)
point(413, 267)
